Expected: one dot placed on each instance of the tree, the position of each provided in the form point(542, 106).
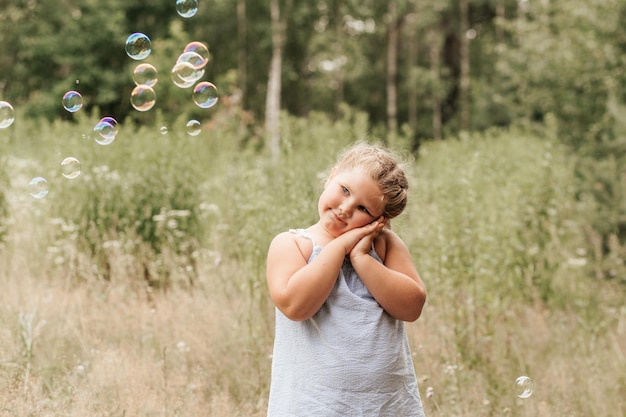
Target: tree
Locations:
point(53, 48)
point(412, 62)
point(564, 60)
point(464, 61)
point(339, 52)
point(392, 67)
point(242, 66)
point(272, 103)
point(434, 51)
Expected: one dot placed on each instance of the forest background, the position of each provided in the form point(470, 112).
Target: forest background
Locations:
point(138, 287)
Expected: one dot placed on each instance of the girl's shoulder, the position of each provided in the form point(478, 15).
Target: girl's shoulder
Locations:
point(295, 238)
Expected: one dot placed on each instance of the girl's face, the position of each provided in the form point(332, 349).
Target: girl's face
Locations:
point(350, 199)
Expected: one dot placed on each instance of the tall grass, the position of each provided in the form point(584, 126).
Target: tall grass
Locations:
point(138, 288)
point(498, 236)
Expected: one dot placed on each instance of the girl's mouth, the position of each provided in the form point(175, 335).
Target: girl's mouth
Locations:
point(339, 219)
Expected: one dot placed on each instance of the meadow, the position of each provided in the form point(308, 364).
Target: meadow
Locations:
point(138, 288)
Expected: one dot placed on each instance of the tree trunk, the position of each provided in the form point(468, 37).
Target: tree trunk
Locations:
point(242, 69)
point(500, 16)
point(272, 103)
point(434, 54)
point(464, 77)
point(339, 73)
point(412, 46)
point(392, 69)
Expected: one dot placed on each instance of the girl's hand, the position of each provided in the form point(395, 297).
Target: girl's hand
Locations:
point(364, 244)
point(349, 239)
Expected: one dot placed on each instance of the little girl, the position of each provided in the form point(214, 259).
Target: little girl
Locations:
point(343, 288)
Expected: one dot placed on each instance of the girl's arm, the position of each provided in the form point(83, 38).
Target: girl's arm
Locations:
point(395, 284)
point(299, 289)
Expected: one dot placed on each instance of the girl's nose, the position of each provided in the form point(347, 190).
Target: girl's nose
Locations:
point(346, 210)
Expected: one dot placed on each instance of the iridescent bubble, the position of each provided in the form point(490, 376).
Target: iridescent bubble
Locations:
point(183, 75)
point(7, 115)
point(70, 167)
point(194, 127)
point(138, 46)
point(163, 130)
point(187, 72)
point(524, 386)
point(105, 133)
point(199, 48)
point(205, 95)
point(110, 120)
point(187, 8)
point(38, 187)
point(145, 74)
point(72, 101)
point(143, 98)
point(193, 58)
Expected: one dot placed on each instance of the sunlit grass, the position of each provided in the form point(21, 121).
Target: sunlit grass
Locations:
point(138, 288)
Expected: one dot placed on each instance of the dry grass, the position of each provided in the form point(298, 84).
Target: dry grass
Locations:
point(110, 350)
point(577, 372)
point(106, 349)
point(116, 348)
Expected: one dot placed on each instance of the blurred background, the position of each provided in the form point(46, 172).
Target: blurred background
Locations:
point(138, 195)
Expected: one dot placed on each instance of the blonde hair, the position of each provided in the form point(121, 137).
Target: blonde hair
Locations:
point(383, 167)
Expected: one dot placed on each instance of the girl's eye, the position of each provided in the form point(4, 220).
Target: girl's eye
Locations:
point(345, 190)
point(364, 210)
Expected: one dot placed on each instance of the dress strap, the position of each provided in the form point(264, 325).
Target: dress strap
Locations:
point(303, 233)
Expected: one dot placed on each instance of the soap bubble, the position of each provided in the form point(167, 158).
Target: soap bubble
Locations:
point(38, 187)
point(195, 59)
point(187, 8)
point(138, 46)
point(524, 386)
point(163, 130)
point(72, 101)
point(183, 75)
point(105, 133)
point(205, 95)
point(7, 114)
point(199, 48)
point(186, 72)
point(145, 74)
point(70, 167)
point(194, 127)
point(110, 120)
point(142, 98)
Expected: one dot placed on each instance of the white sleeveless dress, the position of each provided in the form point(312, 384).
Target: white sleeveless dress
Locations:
point(350, 359)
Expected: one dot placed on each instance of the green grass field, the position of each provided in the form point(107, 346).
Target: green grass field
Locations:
point(138, 288)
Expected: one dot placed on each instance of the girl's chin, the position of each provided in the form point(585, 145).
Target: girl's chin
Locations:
point(333, 228)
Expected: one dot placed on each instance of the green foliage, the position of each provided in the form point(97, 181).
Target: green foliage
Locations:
point(154, 197)
point(564, 61)
point(495, 228)
point(137, 196)
point(157, 200)
point(52, 46)
point(560, 58)
point(497, 210)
